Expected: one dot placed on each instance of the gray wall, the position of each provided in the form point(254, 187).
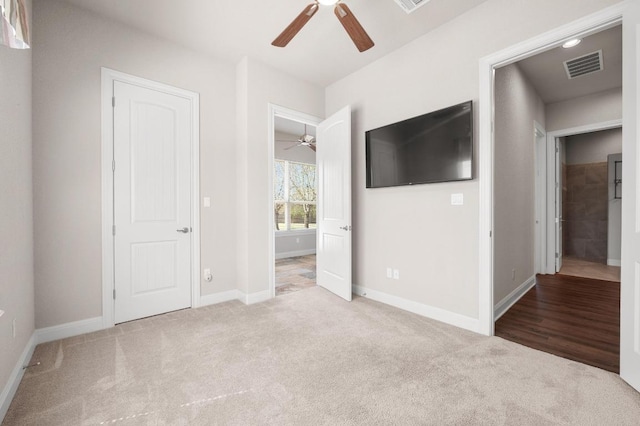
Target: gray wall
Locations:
point(593, 152)
point(258, 85)
point(593, 147)
point(16, 220)
point(597, 108)
point(70, 47)
point(517, 107)
point(415, 229)
point(614, 228)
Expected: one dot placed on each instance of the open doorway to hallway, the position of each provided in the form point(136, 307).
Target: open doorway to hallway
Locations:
point(294, 203)
point(573, 88)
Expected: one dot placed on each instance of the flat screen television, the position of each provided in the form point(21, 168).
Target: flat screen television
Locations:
point(430, 148)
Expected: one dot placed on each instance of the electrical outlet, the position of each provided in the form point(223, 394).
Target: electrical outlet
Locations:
point(396, 274)
point(13, 326)
point(207, 275)
point(389, 273)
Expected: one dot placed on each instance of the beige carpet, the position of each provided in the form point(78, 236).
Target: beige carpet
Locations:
point(309, 358)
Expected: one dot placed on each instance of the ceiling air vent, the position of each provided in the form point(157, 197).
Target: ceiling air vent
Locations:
point(411, 5)
point(583, 65)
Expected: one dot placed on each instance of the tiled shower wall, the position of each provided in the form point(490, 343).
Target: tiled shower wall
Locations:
point(585, 205)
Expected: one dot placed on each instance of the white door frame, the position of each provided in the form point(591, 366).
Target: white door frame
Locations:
point(540, 164)
point(109, 76)
point(583, 27)
point(552, 243)
point(300, 117)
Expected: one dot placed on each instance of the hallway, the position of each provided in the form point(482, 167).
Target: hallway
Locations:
point(572, 317)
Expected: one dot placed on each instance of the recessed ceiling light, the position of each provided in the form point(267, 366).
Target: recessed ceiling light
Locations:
point(572, 43)
point(328, 2)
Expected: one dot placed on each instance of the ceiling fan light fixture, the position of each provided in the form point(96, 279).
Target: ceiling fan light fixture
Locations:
point(327, 2)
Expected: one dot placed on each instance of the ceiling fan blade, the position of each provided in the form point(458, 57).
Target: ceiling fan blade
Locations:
point(354, 29)
point(291, 147)
point(313, 147)
point(295, 26)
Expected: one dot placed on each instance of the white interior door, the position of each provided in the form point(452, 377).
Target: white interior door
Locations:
point(630, 273)
point(559, 219)
point(333, 157)
point(152, 198)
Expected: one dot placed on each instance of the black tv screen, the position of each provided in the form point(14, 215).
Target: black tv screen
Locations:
point(434, 147)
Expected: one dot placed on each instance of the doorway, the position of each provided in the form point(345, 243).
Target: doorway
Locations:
point(591, 208)
point(333, 205)
point(542, 89)
point(295, 185)
point(150, 198)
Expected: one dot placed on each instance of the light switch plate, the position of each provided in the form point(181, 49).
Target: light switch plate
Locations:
point(207, 201)
point(457, 199)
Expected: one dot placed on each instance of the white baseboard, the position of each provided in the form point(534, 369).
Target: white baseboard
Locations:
point(448, 317)
point(70, 329)
point(215, 298)
point(11, 387)
point(506, 303)
point(251, 298)
point(614, 262)
point(295, 253)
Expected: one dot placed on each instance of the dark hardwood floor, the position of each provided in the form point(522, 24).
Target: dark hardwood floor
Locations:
point(572, 317)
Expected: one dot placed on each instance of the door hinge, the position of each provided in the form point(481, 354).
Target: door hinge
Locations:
point(557, 149)
point(113, 101)
point(114, 294)
point(490, 234)
point(113, 165)
point(113, 230)
point(557, 255)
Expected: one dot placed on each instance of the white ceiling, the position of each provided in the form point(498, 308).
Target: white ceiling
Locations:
point(321, 53)
point(547, 73)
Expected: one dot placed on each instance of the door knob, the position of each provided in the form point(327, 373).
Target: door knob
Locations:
point(346, 228)
point(184, 230)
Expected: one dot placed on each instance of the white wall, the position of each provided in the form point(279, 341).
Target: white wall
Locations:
point(16, 208)
point(597, 108)
point(70, 46)
point(593, 147)
point(415, 229)
point(517, 106)
point(258, 86)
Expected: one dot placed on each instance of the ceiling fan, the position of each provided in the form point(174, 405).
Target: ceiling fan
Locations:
point(304, 140)
point(359, 36)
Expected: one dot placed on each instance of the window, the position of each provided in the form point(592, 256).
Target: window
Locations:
point(295, 195)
